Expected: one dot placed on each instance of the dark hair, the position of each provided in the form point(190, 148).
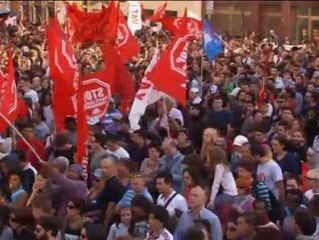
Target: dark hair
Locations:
point(41, 201)
point(100, 138)
point(16, 173)
point(258, 150)
point(94, 231)
point(25, 124)
point(314, 205)
point(192, 160)
point(195, 175)
point(21, 155)
point(194, 232)
point(167, 176)
point(79, 204)
point(250, 166)
point(160, 213)
point(261, 200)
point(23, 216)
point(61, 139)
point(282, 141)
point(297, 193)
point(293, 176)
point(142, 202)
point(305, 221)
point(5, 211)
point(141, 133)
point(50, 223)
point(250, 218)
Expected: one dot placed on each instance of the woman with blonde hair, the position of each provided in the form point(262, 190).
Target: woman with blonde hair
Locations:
point(210, 136)
point(223, 187)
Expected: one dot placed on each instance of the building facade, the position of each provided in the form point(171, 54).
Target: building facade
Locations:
point(293, 19)
point(43, 10)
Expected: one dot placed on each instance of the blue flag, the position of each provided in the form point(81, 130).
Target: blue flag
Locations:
point(213, 45)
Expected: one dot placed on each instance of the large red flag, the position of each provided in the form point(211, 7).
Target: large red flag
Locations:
point(173, 65)
point(86, 27)
point(9, 97)
point(63, 71)
point(159, 13)
point(126, 42)
point(82, 128)
point(173, 24)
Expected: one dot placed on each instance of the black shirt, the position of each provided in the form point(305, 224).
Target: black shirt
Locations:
point(112, 193)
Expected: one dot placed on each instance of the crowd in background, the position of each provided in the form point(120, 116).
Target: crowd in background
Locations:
point(230, 165)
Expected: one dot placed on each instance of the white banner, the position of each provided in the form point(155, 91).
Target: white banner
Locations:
point(145, 96)
point(134, 19)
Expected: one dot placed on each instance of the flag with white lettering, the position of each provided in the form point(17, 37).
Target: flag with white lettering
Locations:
point(145, 96)
point(169, 74)
point(134, 19)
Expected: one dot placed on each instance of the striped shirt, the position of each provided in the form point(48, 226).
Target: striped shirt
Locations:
point(130, 194)
point(164, 235)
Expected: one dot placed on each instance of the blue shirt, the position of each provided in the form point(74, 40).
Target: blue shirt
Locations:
point(175, 167)
point(187, 220)
point(130, 194)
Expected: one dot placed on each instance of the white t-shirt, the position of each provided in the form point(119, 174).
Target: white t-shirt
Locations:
point(178, 202)
point(270, 173)
point(223, 178)
point(175, 114)
point(119, 153)
point(309, 194)
point(33, 95)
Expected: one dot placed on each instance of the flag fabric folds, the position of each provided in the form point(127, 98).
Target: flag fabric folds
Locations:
point(211, 42)
point(86, 27)
point(134, 18)
point(173, 25)
point(159, 13)
point(173, 64)
point(63, 71)
point(145, 96)
point(126, 43)
point(9, 96)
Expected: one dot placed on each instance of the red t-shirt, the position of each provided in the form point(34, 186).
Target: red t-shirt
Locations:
point(38, 147)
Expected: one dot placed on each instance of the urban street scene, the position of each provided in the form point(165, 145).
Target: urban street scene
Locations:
point(159, 120)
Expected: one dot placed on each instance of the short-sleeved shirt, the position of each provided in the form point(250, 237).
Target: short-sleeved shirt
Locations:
point(112, 193)
point(270, 173)
point(164, 235)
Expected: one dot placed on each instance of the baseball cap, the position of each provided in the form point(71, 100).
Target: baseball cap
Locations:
point(240, 140)
point(76, 167)
point(213, 89)
point(197, 100)
point(93, 121)
point(235, 92)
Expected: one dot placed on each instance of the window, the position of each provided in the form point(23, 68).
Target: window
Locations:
point(51, 13)
point(303, 11)
point(221, 22)
point(301, 25)
point(169, 13)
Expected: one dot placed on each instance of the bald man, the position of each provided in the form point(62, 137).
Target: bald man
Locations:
point(172, 162)
point(113, 190)
point(196, 212)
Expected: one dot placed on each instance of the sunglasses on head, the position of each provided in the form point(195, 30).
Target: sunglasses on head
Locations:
point(38, 230)
point(13, 219)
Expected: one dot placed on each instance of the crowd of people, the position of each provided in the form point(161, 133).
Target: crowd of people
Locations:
point(230, 165)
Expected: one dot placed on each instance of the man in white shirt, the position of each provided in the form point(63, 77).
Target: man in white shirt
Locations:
point(171, 113)
point(173, 202)
point(29, 93)
point(313, 182)
point(269, 171)
point(157, 220)
point(113, 148)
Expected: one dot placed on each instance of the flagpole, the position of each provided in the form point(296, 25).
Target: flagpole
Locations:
point(167, 117)
point(21, 136)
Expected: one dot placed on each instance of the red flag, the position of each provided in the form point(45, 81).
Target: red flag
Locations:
point(97, 88)
point(173, 64)
point(86, 27)
point(82, 128)
point(63, 71)
point(9, 96)
point(159, 13)
point(126, 42)
point(122, 84)
point(173, 24)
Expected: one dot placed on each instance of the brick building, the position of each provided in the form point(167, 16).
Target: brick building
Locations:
point(287, 18)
